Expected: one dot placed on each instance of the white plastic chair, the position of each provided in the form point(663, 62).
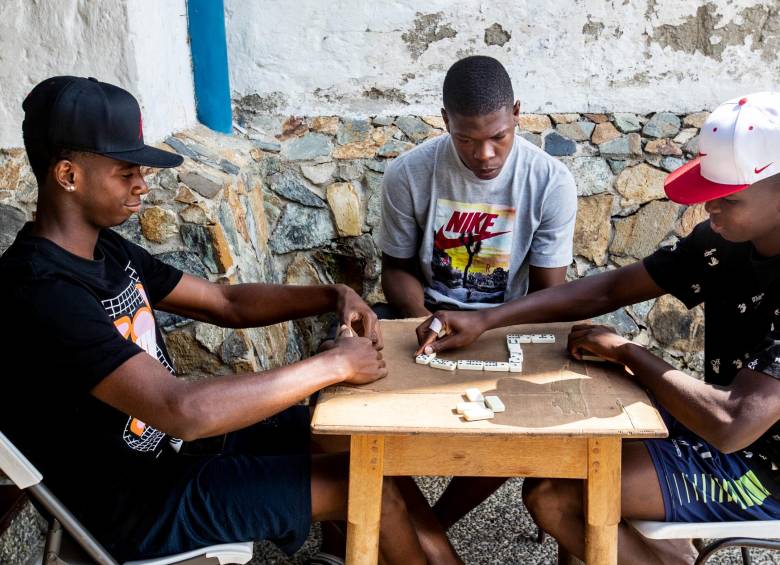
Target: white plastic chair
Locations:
point(759, 534)
point(26, 477)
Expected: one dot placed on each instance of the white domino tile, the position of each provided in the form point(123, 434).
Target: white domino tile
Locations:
point(437, 327)
point(593, 358)
point(474, 414)
point(543, 338)
point(496, 366)
point(470, 365)
point(515, 367)
point(473, 395)
point(425, 359)
point(461, 407)
point(443, 364)
point(494, 403)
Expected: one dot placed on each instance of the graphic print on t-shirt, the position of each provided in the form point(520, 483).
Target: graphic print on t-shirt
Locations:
point(472, 248)
point(133, 319)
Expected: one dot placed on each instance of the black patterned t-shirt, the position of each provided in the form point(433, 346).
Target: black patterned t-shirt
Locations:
point(70, 322)
point(741, 295)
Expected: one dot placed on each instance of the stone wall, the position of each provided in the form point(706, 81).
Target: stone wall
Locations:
point(619, 162)
point(297, 200)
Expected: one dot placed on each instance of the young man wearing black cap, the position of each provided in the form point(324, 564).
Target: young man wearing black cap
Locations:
point(95, 404)
point(721, 461)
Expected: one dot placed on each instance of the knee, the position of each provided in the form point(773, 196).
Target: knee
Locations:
point(393, 503)
point(547, 500)
point(535, 491)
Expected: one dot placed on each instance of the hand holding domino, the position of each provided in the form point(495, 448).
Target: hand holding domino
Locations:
point(437, 328)
point(514, 363)
point(434, 331)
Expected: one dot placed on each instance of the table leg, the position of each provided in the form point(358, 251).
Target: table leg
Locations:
point(365, 499)
point(602, 501)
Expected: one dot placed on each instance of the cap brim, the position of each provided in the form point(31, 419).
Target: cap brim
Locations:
point(686, 185)
point(149, 157)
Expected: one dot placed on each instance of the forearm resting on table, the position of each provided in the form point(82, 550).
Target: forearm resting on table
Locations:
point(729, 418)
point(191, 410)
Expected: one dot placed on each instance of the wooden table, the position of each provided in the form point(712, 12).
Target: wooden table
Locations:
point(563, 418)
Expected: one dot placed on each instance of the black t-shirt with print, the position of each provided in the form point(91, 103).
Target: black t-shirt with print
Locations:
point(741, 295)
point(69, 322)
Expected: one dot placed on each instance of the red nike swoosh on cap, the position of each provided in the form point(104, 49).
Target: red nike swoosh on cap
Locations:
point(443, 242)
point(759, 171)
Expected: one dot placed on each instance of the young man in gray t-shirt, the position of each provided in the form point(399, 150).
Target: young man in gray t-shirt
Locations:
point(477, 217)
point(473, 219)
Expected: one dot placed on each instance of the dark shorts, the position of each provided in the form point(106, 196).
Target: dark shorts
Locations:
point(257, 487)
point(701, 484)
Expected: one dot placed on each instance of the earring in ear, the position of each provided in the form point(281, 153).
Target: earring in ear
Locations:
point(70, 188)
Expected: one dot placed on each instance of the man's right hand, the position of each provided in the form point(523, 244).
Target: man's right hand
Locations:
point(460, 329)
point(361, 362)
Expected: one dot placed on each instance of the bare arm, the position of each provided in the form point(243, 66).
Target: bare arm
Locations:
point(577, 300)
point(247, 305)
point(402, 286)
point(253, 305)
point(141, 386)
point(540, 278)
point(730, 418)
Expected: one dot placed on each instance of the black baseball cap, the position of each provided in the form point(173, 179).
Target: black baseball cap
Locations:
point(85, 114)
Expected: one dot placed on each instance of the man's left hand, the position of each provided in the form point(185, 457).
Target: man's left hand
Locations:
point(591, 339)
point(358, 316)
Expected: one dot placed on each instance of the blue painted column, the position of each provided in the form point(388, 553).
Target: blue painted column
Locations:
point(206, 22)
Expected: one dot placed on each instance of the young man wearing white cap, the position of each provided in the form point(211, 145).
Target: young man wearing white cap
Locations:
point(721, 461)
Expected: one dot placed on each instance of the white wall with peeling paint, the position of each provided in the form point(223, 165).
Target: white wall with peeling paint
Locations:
point(140, 45)
point(352, 57)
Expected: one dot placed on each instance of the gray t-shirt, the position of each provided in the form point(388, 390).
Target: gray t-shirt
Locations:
point(476, 238)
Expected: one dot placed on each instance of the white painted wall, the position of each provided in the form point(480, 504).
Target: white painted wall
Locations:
point(159, 43)
point(317, 57)
point(140, 45)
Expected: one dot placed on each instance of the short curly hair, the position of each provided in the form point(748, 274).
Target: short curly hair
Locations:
point(43, 156)
point(476, 86)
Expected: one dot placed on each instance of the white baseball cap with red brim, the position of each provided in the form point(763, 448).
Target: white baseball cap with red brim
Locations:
point(739, 145)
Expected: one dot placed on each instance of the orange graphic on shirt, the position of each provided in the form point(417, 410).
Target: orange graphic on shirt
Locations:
point(132, 316)
point(140, 327)
point(124, 324)
point(137, 427)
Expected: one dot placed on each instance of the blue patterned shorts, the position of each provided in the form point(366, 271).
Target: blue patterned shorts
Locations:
point(701, 484)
